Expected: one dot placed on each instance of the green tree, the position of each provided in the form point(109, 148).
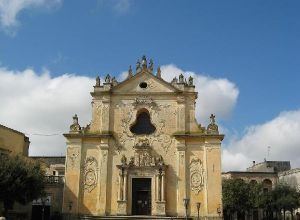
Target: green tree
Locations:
point(239, 196)
point(284, 197)
point(21, 180)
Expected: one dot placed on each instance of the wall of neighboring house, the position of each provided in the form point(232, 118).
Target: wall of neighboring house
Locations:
point(13, 141)
point(291, 177)
point(55, 171)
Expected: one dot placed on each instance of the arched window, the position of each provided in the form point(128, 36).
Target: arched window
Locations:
point(143, 123)
point(267, 185)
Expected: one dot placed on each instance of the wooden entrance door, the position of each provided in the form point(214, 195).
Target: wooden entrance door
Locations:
point(141, 196)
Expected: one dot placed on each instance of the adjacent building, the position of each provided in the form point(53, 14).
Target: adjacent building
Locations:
point(13, 141)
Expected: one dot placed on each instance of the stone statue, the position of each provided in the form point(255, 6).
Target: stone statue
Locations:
point(151, 65)
point(97, 81)
point(181, 78)
point(138, 66)
point(191, 81)
point(144, 62)
point(130, 74)
point(107, 78)
point(75, 127)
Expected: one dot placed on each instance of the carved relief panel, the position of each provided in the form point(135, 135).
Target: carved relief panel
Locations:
point(72, 157)
point(196, 175)
point(90, 173)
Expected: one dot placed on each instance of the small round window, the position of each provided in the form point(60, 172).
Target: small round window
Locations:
point(143, 85)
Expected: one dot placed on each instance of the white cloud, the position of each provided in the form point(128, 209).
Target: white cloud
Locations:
point(122, 6)
point(10, 9)
point(217, 96)
point(36, 103)
point(282, 134)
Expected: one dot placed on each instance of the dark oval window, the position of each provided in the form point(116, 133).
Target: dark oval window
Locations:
point(143, 124)
point(143, 85)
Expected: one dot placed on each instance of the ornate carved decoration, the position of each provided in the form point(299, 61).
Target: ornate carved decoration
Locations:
point(75, 127)
point(144, 100)
point(196, 175)
point(212, 128)
point(73, 154)
point(159, 115)
point(90, 173)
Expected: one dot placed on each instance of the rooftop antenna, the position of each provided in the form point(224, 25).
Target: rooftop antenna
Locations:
point(269, 148)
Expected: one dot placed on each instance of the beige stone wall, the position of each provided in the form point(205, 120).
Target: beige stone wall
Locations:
point(191, 155)
point(12, 141)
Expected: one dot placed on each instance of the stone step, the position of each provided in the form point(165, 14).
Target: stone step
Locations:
point(136, 217)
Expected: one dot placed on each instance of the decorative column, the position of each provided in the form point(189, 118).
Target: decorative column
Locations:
point(125, 186)
point(122, 199)
point(157, 186)
point(163, 186)
point(160, 202)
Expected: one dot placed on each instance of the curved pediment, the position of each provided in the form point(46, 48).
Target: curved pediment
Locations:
point(144, 82)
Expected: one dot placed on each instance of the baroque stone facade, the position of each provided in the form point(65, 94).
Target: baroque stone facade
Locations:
point(143, 152)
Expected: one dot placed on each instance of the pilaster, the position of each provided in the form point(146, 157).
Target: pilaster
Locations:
point(103, 178)
point(181, 173)
point(72, 177)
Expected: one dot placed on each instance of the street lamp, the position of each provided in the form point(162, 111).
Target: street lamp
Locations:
point(198, 204)
point(219, 211)
point(44, 201)
point(186, 204)
point(70, 208)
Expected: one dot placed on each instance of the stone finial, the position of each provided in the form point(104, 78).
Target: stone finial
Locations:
point(212, 128)
point(124, 160)
point(130, 74)
point(97, 81)
point(159, 161)
point(191, 81)
point(174, 80)
point(151, 65)
point(114, 81)
point(107, 78)
point(144, 62)
point(181, 78)
point(212, 119)
point(158, 74)
point(75, 119)
point(75, 127)
point(138, 66)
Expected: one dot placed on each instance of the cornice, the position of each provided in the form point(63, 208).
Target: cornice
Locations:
point(198, 135)
point(81, 135)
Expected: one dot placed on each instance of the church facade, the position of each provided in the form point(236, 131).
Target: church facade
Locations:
point(143, 152)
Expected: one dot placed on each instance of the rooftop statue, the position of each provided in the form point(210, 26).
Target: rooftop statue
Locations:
point(144, 62)
point(151, 65)
point(107, 78)
point(191, 81)
point(130, 74)
point(138, 66)
point(97, 81)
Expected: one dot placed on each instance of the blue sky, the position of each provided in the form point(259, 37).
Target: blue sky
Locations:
point(254, 44)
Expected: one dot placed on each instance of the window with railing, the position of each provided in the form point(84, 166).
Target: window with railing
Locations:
point(55, 179)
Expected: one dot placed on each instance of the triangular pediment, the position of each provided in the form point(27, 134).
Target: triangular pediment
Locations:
point(144, 81)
